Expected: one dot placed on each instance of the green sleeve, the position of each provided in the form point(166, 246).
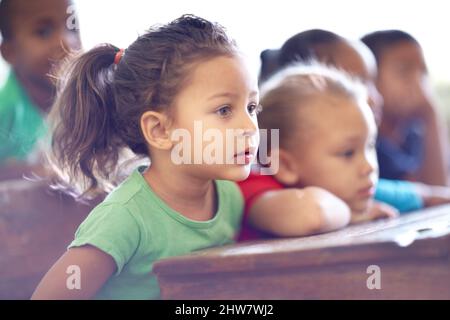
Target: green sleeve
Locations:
point(112, 229)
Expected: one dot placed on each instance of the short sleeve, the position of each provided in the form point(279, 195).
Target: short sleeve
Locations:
point(402, 195)
point(254, 186)
point(112, 229)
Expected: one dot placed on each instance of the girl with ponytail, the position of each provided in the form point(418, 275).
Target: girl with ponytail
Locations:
point(110, 101)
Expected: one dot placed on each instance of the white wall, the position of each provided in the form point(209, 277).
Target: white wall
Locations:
point(263, 24)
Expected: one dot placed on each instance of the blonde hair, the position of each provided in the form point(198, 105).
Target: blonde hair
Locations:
point(296, 86)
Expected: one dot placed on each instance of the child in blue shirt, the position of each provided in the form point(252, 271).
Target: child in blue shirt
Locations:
point(356, 59)
point(412, 144)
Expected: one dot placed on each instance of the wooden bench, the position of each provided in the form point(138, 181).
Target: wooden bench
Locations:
point(16, 171)
point(411, 252)
point(36, 225)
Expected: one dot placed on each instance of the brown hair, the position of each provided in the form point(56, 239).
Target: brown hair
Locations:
point(294, 88)
point(99, 105)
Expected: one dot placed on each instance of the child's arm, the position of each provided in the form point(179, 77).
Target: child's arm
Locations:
point(298, 212)
point(402, 195)
point(95, 268)
point(377, 210)
point(434, 169)
point(433, 195)
point(409, 196)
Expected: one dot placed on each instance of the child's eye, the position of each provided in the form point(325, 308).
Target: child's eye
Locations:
point(224, 111)
point(254, 109)
point(44, 32)
point(347, 154)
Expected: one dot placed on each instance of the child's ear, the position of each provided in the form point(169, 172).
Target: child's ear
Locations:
point(7, 51)
point(155, 127)
point(288, 172)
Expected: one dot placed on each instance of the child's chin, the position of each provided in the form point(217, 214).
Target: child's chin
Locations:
point(237, 173)
point(361, 206)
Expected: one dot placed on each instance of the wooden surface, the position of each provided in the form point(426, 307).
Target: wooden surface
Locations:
point(36, 225)
point(412, 252)
point(19, 170)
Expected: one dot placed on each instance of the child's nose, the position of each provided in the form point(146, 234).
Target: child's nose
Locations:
point(249, 126)
point(368, 166)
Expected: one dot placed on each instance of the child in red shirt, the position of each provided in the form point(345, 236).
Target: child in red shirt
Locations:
point(327, 166)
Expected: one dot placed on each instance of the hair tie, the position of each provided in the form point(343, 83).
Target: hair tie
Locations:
point(118, 56)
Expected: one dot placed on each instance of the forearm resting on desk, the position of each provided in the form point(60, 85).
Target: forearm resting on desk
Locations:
point(299, 212)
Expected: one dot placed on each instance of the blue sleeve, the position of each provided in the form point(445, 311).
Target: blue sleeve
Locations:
point(402, 195)
point(397, 161)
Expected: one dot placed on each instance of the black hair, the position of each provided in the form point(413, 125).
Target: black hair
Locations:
point(379, 40)
point(300, 47)
point(6, 13)
point(269, 63)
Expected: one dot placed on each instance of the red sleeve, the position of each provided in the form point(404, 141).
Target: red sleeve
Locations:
point(252, 188)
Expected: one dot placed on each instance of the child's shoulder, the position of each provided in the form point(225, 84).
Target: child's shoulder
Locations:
point(118, 216)
point(12, 94)
point(10, 90)
point(227, 185)
point(259, 181)
point(128, 189)
point(228, 190)
point(129, 198)
point(231, 202)
point(134, 198)
point(134, 193)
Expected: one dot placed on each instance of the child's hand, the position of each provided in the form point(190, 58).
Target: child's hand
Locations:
point(433, 195)
point(377, 210)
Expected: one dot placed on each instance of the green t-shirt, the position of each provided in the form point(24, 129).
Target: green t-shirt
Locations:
point(21, 122)
point(137, 228)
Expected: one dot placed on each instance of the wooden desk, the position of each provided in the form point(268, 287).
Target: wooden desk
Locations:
point(16, 171)
point(412, 252)
point(36, 225)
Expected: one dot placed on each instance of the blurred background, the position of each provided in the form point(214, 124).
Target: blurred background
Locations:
point(264, 24)
point(29, 240)
point(259, 25)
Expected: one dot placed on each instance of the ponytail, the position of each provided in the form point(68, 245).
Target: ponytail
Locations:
point(85, 146)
